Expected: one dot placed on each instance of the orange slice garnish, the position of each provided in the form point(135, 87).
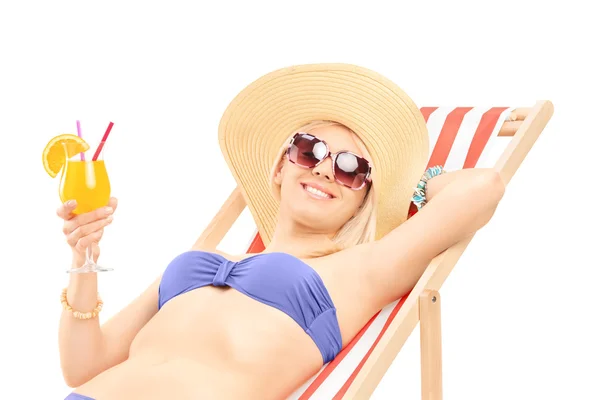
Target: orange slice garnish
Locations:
point(54, 156)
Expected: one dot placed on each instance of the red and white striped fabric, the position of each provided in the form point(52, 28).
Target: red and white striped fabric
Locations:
point(460, 137)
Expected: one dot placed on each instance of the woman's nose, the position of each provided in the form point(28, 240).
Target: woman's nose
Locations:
point(324, 170)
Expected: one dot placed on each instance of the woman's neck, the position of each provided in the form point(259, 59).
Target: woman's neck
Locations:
point(301, 244)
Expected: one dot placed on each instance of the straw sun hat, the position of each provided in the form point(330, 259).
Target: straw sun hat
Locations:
point(269, 110)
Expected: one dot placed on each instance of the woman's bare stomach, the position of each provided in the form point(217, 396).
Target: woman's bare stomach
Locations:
point(212, 343)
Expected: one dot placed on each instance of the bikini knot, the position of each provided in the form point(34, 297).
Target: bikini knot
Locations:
point(223, 272)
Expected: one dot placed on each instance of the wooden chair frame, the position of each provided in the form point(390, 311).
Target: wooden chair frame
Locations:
point(423, 303)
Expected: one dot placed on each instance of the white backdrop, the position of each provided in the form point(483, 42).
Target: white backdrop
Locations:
point(520, 314)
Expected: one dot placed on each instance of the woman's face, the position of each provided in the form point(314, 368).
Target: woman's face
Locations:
point(312, 197)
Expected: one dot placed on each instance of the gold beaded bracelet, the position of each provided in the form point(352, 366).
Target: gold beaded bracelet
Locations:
point(78, 314)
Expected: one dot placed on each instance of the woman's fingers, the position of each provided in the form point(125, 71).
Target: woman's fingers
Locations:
point(65, 210)
point(85, 230)
point(88, 233)
point(113, 203)
point(83, 243)
point(82, 220)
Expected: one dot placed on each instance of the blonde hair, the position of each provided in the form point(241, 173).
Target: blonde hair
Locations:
point(360, 228)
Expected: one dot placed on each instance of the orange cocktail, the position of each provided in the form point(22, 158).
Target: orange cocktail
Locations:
point(85, 182)
point(83, 178)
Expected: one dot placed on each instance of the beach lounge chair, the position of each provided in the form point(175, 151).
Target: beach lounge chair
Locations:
point(460, 137)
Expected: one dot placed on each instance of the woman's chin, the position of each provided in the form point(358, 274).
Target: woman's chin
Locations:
point(310, 212)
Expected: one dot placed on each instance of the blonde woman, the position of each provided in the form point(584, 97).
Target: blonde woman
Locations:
point(328, 157)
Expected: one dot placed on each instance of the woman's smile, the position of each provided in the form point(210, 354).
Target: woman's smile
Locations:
point(317, 191)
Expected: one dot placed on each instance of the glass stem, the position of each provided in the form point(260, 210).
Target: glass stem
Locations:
point(89, 260)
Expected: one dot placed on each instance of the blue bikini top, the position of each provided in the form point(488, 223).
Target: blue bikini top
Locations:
point(279, 280)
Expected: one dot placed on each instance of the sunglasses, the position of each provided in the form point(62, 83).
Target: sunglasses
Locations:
point(349, 169)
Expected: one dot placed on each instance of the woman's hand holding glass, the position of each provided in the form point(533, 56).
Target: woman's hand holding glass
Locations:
point(84, 230)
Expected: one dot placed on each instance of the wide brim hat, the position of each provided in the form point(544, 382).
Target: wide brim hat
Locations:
point(266, 113)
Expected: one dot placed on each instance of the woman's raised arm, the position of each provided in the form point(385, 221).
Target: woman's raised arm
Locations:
point(458, 205)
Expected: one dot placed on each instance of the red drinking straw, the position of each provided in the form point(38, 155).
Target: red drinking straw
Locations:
point(101, 145)
point(81, 155)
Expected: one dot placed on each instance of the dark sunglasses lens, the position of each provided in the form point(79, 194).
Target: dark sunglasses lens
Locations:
point(307, 150)
point(351, 170)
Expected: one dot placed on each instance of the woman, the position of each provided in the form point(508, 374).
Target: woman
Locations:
point(345, 148)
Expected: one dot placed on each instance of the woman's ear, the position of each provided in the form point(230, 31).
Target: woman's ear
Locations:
point(277, 174)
